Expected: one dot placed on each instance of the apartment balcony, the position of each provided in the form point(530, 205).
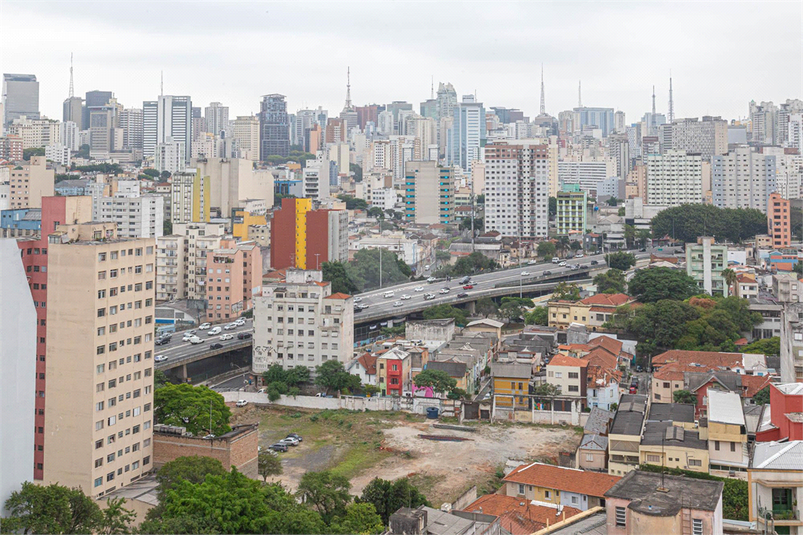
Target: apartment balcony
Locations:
point(779, 515)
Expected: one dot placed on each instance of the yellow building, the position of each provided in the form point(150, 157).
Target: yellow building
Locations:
point(241, 222)
point(727, 435)
point(564, 313)
point(191, 197)
point(302, 207)
point(511, 384)
point(673, 446)
point(624, 438)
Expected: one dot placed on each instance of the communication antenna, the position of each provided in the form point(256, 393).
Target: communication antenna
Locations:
point(72, 93)
point(580, 94)
point(162, 84)
point(432, 89)
point(653, 103)
point(543, 101)
point(671, 101)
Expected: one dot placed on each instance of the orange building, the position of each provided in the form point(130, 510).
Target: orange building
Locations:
point(234, 276)
point(778, 221)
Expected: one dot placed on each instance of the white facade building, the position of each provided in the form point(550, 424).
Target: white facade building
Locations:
point(58, 153)
point(588, 175)
point(170, 156)
point(136, 217)
point(68, 135)
point(742, 179)
point(674, 178)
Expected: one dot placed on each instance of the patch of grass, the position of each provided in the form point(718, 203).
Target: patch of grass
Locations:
point(358, 458)
point(426, 483)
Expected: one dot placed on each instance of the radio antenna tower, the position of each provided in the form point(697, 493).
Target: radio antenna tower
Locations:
point(671, 101)
point(72, 93)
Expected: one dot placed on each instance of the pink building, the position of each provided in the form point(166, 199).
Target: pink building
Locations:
point(234, 276)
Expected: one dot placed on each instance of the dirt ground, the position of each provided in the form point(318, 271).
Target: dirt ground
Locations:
point(363, 446)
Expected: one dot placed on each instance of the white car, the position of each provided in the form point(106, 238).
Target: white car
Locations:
point(213, 331)
point(239, 322)
point(187, 337)
point(204, 326)
point(431, 280)
point(241, 403)
point(230, 326)
point(419, 288)
point(357, 299)
point(562, 264)
point(397, 304)
point(290, 441)
point(405, 297)
point(429, 296)
point(532, 262)
point(426, 268)
point(579, 255)
point(525, 273)
point(227, 336)
point(160, 358)
point(444, 290)
point(195, 340)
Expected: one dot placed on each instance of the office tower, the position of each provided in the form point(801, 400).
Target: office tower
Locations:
point(429, 192)
point(102, 121)
point(571, 215)
point(234, 278)
point(708, 137)
point(73, 110)
point(170, 156)
point(30, 182)
point(274, 128)
point(68, 135)
point(467, 134)
point(507, 115)
point(425, 129)
point(601, 118)
point(304, 120)
point(150, 121)
point(588, 176)
point(674, 178)
point(18, 327)
point(429, 108)
point(446, 99)
point(367, 114)
point(174, 121)
point(336, 131)
point(779, 221)
point(181, 260)
point(763, 123)
point(20, 97)
point(131, 121)
point(305, 238)
point(742, 179)
point(246, 132)
point(190, 197)
point(619, 151)
point(99, 404)
point(35, 133)
point(216, 116)
point(795, 132)
point(326, 334)
point(517, 188)
point(94, 100)
point(384, 123)
point(58, 154)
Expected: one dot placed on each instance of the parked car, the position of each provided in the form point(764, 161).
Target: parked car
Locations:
point(405, 297)
point(278, 447)
point(468, 287)
point(195, 340)
point(397, 304)
point(244, 336)
point(227, 336)
point(215, 346)
point(213, 331)
point(230, 326)
point(204, 326)
point(419, 288)
point(296, 436)
point(241, 403)
point(160, 358)
point(462, 295)
point(289, 440)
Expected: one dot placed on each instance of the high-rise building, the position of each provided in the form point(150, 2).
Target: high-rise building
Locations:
point(429, 192)
point(175, 121)
point(467, 133)
point(232, 181)
point(102, 122)
point(190, 197)
point(367, 114)
point(674, 178)
point(619, 122)
point(170, 156)
point(35, 133)
point(336, 131)
point(30, 182)
point(779, 221)
point(794, 136)
point(73, 110)
point(588, 175)
point(18, 360)
point(216, 116)
point(150, 127)
point(68, 135)
point(137, 216)
point(742, 179)
point(571, 215)
point(601, 118)
point(315, 176)
point(181, 260)
point(708, 137)
point(306, 238)
point(517, 188)
point(20, 97)
point(705, 263)
point(131, 121)
point(327, 331)
point(764, 123)
point(246, 132)
point(446, 100)
point(234, 278)
point(11, 148)
point(94, 99)
point(274, 128)
point(58, 153)
point(99, 405)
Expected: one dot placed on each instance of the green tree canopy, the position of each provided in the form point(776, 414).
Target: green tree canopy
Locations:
point(363, 270)
point(538, 316)
point(661, 324)
point(333, 376)
point(479, 224)
point(193, 469)
point(689, 221)
point(620, 260)
point(684, 396)
point(546, 389)
point(767, 346)
point(353, 203)
point(566, 292)
point(762, 397)
point(513, 307)
point(446, 311)
point(360, 519)
point(190, 406)
point(336, 273)
point(268, 465)
point(654, 284)
point(154, 173)
point(546, 249)
point(33, 151)
point(387, 497)
point(357, 170)
point(553, 206)
point(486, 306)
point(326, 492)
point(611, 282)
point(438, 380)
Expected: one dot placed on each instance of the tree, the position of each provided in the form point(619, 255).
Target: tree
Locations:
point(336, 273)
point(353, 203)
point(660, 325)
point(167, 227)
point(546, 390)
point(326, 492)
point(446, 256)
point(642, 237)
point(767, 346)
point(445, 311)
point(575, 245)
point(153, 173)
point(438, 380)
point(268, 465)
point(333, 376)
point(684, 396)
point(566, 292)
point(480, 199)
point(297, 375)
point(485, 306)
point(388, 497)
point(116, 518)
point(190, 407)
point(611, 281)
point(538, 316)
point(193, 469)
point(630, 236)
point(688, 221)
point(33, 151)
point(621, 212)
point(730, 279)
point(363, 270)
point(164, 175)
point(457, 393)
point(360, 519)
point(546, 249)
point(553, 206)
point(654, 284)
point(612, 201)
point(479, 224)
point(620, 260)
point(51, 509)
point(357, 170)
point(160, 379)
point(762, 397)
point(83, 152)
point(513, 307)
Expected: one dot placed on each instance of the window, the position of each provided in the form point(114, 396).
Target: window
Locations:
point(697, 526)
point(558, 375)
point(110, 476)
point(99, 481)
point(98, 444)
point(695, 462)
point(575, 500)
point(574, 388)
point(655, 459)
point(589, 457)
point(716, 445)
point(733, 446)
point(547, 494)
point(574, 375)
point(621, 517)
point(521, 488)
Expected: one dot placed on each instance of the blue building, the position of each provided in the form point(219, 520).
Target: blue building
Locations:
point(69, 188)
point(21, 222)
point(602, 118)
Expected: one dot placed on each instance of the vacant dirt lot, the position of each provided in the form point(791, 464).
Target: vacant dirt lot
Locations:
point(362, 446)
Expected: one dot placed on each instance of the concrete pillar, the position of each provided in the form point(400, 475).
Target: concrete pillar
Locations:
point(471, 306)
point(182, 373)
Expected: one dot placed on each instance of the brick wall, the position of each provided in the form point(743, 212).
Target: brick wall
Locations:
point(238, 448)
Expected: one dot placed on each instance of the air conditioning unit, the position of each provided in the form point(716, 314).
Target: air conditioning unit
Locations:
point(731, 474)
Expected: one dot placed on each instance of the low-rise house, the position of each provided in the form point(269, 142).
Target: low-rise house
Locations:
point(441, 330)
point(673, 446)
point(680, 414)
point(561, 486)
point(428, 521)
point(603, 378)
point(602, 307)
point(394, 372)
point(511, 384)
point(727, 435)
point(770, 310)
point(624, 438)
point(599, 422)
point(485, 325)
point(570, 376)
point(775, 482)
point(364, 367)
point(745, 286)
point(644, 502)
point(456, 370)
point(519, 517)
point(592, 453)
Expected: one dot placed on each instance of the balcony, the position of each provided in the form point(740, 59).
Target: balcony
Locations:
point(778, 515)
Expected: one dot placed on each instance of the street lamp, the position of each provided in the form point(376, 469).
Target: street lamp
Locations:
point(521, 277)
point(317, 267)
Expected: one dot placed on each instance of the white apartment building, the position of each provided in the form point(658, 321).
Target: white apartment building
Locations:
point(136, 217)
point(589, 175)
point(674, 178)
point(708, 137)
point(170, 156)
point(788, 168)
point(68, 135)
point(517, 188)
point(181, 260)
point(742, 179)
point(299, 322)
point(315, 179)
point(246, 131)
point(58, 153)
point(232, 181)
point(35, 132)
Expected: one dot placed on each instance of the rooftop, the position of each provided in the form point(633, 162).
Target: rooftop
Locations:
point(666, 434)
point(675, 412)
point(511, 369)
point(642, 488)
point(779, 455)
point(566, 360)
point(594, 442)
point(454, 369)
point(725, 407)
point(564, 479)
point(520, 517)
point(598, 421)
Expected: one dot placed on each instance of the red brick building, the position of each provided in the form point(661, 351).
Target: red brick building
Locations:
point(238, 448)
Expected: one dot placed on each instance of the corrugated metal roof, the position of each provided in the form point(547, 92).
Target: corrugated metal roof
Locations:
point(725, 407)
point(779, 455)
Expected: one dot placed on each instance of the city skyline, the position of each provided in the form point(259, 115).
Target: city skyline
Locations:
point(105, 58)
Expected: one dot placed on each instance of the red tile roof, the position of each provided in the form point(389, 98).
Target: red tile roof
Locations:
point(753, 384)
point(707, 359)
point(519, 517)
point(564, 479)
point(368, 361)
point(611, 345)
point(566, 360)
point(610, 300)
point(338, 295)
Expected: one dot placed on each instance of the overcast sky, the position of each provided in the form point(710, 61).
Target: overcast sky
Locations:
point(721, 54)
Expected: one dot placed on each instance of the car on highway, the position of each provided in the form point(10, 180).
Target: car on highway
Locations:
point(362, 306)
point(213, 331)
point(468, 287)
point(278, 447)
point(187, 337)
point(397, 304)
point(575, 267)
point(241, 403)
point(525, 273)
point(239, 322)
point(444, 290)
point(419, 288)
point(204, 326)
point(462, 295)
point(555, 260)
point(162, 341)
point(160, 358)
point(532, 262)
point(405, 297)
point(244, 336)
point(579, 255)
point(547, 273)
point(227, 336)
point(594, 262)
point(230, 326)
point(388, 295)
point(215, 346)
point(431, 280)
point(562, 264)
point(357, 309)
point(429, 297)
point(357, 299)
point(195, 340)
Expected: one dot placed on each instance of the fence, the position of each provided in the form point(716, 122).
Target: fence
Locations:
point(447, 407)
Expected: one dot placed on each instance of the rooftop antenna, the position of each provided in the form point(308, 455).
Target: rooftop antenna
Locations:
point(671, 102)
point(432, 89)
point(543, 102)
point(580, 94)
point(653, 101)
point(72, 93)
point(162, 84)
point(348, 87)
